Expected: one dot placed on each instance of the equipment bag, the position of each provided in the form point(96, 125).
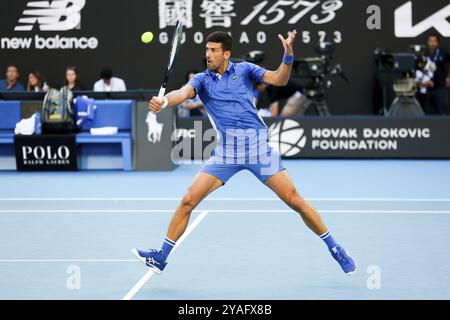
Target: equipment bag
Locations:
point(57, 112)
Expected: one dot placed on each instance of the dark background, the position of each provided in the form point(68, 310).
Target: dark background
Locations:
point(118, 25)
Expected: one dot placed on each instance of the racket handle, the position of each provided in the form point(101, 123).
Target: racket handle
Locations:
point(161, 93)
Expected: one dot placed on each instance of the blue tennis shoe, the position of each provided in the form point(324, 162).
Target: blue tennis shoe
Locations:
point(151, 258)
point(345, 261)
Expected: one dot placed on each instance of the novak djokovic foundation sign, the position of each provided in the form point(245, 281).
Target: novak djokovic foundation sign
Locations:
point(340, 137)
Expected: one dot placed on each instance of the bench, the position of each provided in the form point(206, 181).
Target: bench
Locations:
point(111, 113)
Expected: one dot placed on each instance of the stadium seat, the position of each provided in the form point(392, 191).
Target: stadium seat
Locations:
point(112, 113)
point(9, 116)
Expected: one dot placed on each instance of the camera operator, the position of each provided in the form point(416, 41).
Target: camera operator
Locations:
point(433, 89)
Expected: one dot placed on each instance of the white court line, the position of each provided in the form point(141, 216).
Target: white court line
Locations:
point(150, 273)
point(217, 211)
point(68, 260)
point(232, 199)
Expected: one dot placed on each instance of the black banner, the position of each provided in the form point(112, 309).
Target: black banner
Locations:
point(339, 137)
point(46, 153)
point(222, 309)
point(93, 34)
point(152, 138)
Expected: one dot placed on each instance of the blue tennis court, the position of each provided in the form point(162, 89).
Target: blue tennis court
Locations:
point(69, 235)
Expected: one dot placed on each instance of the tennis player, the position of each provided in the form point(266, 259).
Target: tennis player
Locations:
point(226, 90)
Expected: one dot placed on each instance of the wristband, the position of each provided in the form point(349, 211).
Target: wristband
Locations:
point(166, 103)
point(287, 59)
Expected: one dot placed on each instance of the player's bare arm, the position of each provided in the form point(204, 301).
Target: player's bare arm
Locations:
point(281, 76)
point(174, 98)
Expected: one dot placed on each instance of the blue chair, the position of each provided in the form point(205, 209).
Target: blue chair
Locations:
point(112, 113)
point(9, 117)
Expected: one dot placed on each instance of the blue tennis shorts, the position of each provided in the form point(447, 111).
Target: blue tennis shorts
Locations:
point(263, 167)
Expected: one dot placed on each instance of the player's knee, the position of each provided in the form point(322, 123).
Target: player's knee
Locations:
point(188, 201)
point(294, 200)
point(301, 204)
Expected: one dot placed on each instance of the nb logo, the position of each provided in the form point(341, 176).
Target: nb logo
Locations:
point(59, 15)
point(404, 27)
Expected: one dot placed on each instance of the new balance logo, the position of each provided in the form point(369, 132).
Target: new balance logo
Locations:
point(59, 15)
point(404, 27)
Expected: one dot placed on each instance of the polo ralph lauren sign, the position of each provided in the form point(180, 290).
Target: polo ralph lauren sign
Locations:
point(46, 153)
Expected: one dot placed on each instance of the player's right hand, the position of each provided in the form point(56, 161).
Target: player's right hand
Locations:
point(288, 43)
point(156, 104)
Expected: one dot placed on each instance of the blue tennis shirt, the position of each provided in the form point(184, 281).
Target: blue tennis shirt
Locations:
point(228, 100)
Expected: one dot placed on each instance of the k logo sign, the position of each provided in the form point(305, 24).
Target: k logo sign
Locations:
point(404, 22)
point(287, 137)
point(59, 15)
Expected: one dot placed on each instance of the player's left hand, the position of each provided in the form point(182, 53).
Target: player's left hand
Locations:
point(288, 43)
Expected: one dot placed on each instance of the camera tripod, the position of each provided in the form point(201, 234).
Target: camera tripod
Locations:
point(316, 98)
point(405, 103)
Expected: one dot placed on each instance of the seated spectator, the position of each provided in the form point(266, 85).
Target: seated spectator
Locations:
point(36, 82)
point(109, 83)
point(192, 107)
point(11, 82)
point(72, 80)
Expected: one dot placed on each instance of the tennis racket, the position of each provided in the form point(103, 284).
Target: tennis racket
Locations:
point(176, 44)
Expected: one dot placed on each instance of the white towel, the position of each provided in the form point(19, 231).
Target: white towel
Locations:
point(105, 131)
point(26, 126)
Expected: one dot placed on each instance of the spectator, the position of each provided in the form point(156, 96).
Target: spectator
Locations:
point(436, 88)
point(109, 83)
point(192, 107)
point(72, 80)
point(11, 82)
point(36, 82)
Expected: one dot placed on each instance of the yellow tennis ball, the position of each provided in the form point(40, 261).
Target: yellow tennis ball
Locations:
point(147, 37)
